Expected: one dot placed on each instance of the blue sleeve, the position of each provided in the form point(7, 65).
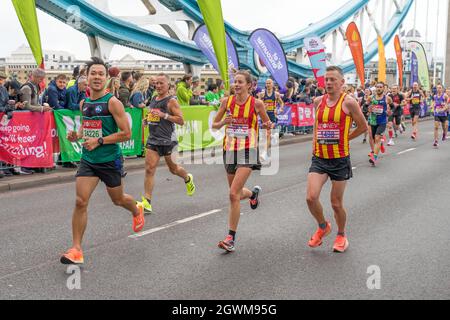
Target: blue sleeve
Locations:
point(53, 98)
point(72, 102)
point(63, 100)
point(137, 99)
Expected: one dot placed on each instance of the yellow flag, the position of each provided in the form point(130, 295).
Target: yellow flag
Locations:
point(381, 61)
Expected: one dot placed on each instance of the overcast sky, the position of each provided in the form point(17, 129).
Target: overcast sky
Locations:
point(284, 17)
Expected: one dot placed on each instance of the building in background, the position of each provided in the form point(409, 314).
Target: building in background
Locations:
point(21, 62)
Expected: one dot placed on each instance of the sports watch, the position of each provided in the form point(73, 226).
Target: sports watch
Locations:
point(100, 141)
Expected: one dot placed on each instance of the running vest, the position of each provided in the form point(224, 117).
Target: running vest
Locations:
point(397, 99)
point(415, 99)
point(242, 134)
point(98, 122)
point(270, 102)
point(162, 132)
point(332, 130)
point(379, 111)
point(439, 106)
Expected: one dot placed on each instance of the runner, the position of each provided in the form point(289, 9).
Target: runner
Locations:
point(270, 98)
point(440, 114)
point(365, 104)
point(164, 113)
point(415, 98)
point(241, 154)
point(379, 111)
point(103, 115)
point(395, 120)
point(331, 158)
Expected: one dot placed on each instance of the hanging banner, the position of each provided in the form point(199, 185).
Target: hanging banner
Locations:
point(269, 49)
point(381, 61)
point(414, 70)
point(213, 17)
point(26, 139)
point(399, 53)
point(317, 56)
point(284, 118)
point(26, 12)
point(68, 120)
point(424, 72)
point(203, 40)
point(356, 48)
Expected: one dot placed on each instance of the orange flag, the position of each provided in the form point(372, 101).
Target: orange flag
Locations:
point(398, 51)
point(355, 44)
point(381, 61)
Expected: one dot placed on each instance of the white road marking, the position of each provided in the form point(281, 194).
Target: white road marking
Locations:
point(173, 224)
point(406, 151)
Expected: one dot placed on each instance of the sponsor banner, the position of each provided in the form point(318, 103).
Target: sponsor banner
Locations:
point(285, 117)
point(399, 54)
point(414, 69)
point(302, 115)
point(270, 51)
point(356, 48)
point(423, 70)
point(197, 132)
point(26, 139)
point(203, 41)
point(317, 56)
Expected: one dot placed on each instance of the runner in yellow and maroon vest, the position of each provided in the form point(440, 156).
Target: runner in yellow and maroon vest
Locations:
point(335, 113)
point(239, 114)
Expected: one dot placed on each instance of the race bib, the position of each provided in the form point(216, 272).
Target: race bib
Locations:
point(378, 109)
point(152, 119)
point(92, 129)
point(238, 129)
point(440, 109)
point(415, 101)
point(270, 108)
point(328, 134)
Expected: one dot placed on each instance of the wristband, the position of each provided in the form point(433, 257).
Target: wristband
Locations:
point(166, 116)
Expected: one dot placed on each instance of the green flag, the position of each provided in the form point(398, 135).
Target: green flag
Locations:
point(424, 73)
point(26, 12)
point(212, 15)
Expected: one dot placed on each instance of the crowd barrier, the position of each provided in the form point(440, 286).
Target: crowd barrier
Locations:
point(31, 139)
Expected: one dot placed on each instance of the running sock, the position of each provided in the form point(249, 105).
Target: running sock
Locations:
point(233, 234)
point(342, 234)
point(391, 134)
point(323, 226)
point(254, 194)
point(149, 200)
point(188, 180)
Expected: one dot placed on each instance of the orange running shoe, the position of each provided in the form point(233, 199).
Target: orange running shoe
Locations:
point(340, 244)
point(316, 240)
point(139, 221)
point(382, 148)
point(72, 256)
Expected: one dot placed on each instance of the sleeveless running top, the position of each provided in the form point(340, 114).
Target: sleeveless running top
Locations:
point(439, 106)
point(270, 102)
point(98, 122)
point(161, 131)
point(242, 134)
point(379, 111)
point(332, 130)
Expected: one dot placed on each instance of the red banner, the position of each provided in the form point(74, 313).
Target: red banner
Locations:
point(302, 115)
point(26, 139)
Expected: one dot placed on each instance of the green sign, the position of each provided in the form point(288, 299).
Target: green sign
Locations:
point(68, 120)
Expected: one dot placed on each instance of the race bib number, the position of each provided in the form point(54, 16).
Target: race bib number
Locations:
point(152, 119)
point(238, 129)
point(378, 109)
point(328, 134)
point(92, 129)
point(270, 107)
point(440, 109)
point(415, 101)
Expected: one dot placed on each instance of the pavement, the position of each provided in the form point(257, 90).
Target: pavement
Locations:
point(398, 225)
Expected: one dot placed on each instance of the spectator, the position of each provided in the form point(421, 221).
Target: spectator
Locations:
point(151, 92)
point(4, 95)
point(173, 91)
point(113, 72)
point(29, 93)
point(113, 87)
point(306, 96)
point(125, 88)
point(138, 96)
point(55, 95)
point(13, 87)
point(76, 94)
point(212, 96)
point(75, 76)
point(184, 92)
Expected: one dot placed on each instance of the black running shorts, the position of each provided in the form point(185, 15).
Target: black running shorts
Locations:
point(378, 130)
point(163, 151)
point(336, 169)
point(440, 119)
point(415, 111)
point(109, 172)
point(233, 160)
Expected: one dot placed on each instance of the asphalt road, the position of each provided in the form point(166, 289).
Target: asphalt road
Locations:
point(398, 221)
